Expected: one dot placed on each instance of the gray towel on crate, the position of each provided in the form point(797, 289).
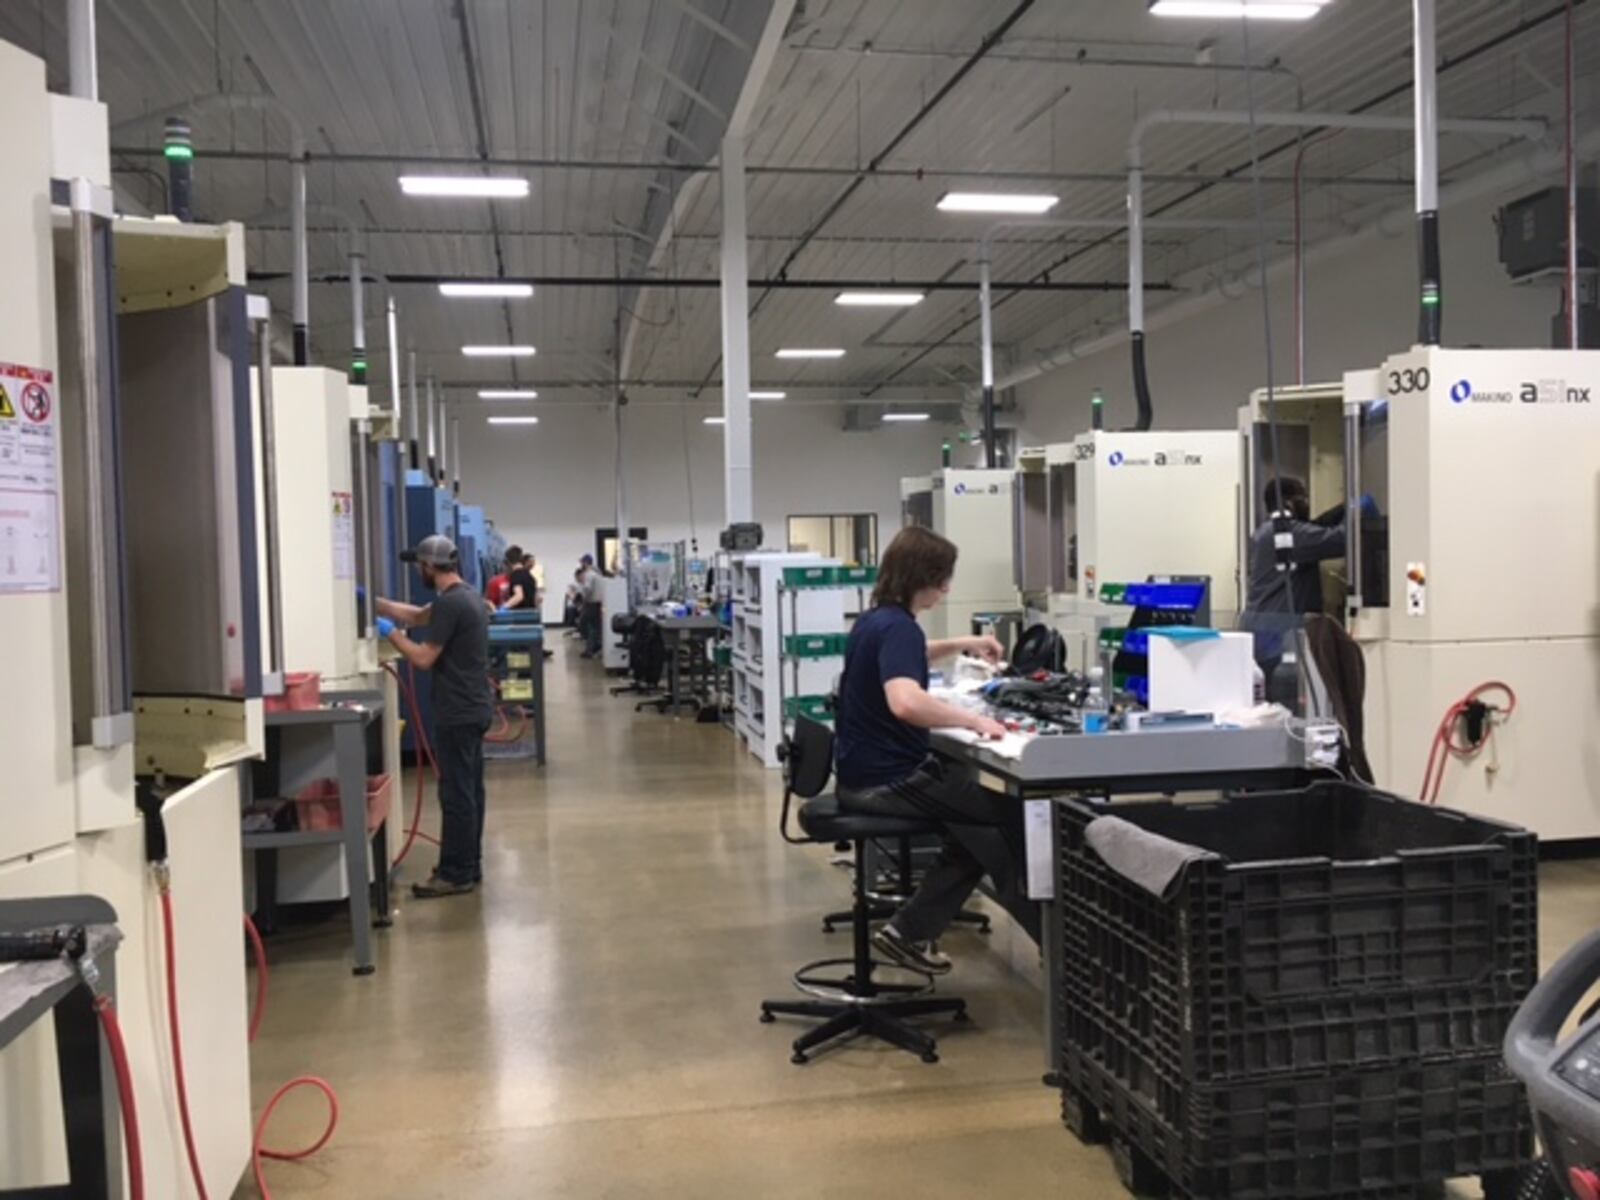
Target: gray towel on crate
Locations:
point(1147, 859)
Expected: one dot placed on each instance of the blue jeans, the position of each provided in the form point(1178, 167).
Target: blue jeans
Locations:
point(461, 801)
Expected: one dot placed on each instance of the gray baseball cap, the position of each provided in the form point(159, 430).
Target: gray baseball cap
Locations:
point(435, 550)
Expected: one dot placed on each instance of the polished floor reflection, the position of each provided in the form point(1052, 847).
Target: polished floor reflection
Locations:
point(586, 1025)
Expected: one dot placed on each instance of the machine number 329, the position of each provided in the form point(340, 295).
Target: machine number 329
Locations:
point(1411, 379)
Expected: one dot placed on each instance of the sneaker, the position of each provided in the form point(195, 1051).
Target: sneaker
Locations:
point(436, 886)
point(920, 957)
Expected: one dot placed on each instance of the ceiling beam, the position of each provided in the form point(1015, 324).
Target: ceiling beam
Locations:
point(698, 15)
point(774, 284)
point(1391, 182)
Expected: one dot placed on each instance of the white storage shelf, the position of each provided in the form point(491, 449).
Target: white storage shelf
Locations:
point(761, 674)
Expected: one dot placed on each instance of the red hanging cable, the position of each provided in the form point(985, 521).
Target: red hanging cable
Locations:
point(125, 1098)
point(260, 952)
point(425, 755)
point(176, 1033)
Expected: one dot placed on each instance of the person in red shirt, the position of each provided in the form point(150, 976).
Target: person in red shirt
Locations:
point(499, 588)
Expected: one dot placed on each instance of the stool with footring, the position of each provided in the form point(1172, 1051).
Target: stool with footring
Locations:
point(858, 1002)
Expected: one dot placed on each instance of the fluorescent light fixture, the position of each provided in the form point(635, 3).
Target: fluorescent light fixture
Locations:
point(997, 202)
point(715, 421)
point(1260, 10)
point(905, 416)
point(768, 395)
point(804, 352)
point(491, 186)
point(878, 299)
point(485, 291)
point(513, 420)
point(508, 394)
point(498, 351)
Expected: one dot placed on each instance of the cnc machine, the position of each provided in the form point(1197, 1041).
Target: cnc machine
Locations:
point(1119, 508)
point(1484, 567)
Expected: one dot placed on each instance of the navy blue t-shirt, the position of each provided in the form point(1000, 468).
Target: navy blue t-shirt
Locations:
point(873, 746)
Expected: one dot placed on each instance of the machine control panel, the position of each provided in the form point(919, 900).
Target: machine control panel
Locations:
point(1581, 1066)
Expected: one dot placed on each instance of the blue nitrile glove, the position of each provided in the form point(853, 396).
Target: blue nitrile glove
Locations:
point(385, 627)
point(1369, 506)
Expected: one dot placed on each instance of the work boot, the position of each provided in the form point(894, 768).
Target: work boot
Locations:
point(920, 957)
point(436, 886)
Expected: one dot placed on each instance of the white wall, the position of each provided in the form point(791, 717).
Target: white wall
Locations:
point(548, 486)
point(1359, 308)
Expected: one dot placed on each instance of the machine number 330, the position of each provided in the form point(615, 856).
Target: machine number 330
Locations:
point(1411, 379)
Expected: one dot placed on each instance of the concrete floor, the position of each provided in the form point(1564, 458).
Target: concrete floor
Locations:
point(585, 1026)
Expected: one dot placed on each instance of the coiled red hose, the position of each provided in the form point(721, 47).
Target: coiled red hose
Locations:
point(1445, 747)
point(257, 1150)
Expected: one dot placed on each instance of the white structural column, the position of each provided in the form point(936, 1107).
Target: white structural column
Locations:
point(738, 474)
point(83, 70)
point(736, 454)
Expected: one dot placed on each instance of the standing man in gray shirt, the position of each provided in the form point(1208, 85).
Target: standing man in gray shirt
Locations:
point(453, 643)
point(593, 614)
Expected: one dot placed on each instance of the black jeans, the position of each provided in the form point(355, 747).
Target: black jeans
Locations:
point(983, 835)
point(589, 625)
point(461, 801)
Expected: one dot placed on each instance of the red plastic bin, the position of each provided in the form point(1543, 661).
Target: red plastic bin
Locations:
point(302, 691)
point(317, 806)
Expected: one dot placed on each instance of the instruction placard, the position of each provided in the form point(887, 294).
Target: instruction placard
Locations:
point(344, 535)
point(30, 537)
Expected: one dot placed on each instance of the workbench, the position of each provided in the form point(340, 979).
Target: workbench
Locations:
point(513, 631)
point(696, 632)
point(1123, 763)
point(323, 743)
point(30, 991)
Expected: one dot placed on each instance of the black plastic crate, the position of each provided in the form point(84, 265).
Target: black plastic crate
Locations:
point(1375, 1133)
point(1337, 927)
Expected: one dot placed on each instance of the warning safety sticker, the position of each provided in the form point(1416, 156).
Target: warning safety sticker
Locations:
point(30, 538)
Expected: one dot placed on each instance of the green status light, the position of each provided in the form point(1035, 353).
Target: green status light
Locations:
point(179, 152)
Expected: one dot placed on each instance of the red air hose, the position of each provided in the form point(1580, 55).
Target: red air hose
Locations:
point(258, 1151)
point(125, 1099)
point(176, 1033)
point(424, 755)
point(1445, 746)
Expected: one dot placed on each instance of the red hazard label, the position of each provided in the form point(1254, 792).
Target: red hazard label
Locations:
point(36, 403)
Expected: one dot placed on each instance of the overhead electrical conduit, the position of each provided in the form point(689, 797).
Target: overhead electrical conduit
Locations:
point(985, 290)
point(1389, 223)
point(1488, 127)
point(261, 102)
point(356, 239)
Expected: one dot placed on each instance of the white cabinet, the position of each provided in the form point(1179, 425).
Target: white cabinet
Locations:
point(761, 676)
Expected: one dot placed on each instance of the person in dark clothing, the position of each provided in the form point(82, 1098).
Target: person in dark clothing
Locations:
point(1278, 599)
point(452, 642)
point(882, 756)
point(522, 590)
point(1279, 596)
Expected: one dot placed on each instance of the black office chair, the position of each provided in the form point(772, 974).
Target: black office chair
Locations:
point(647, 659)
point(855, 1004)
